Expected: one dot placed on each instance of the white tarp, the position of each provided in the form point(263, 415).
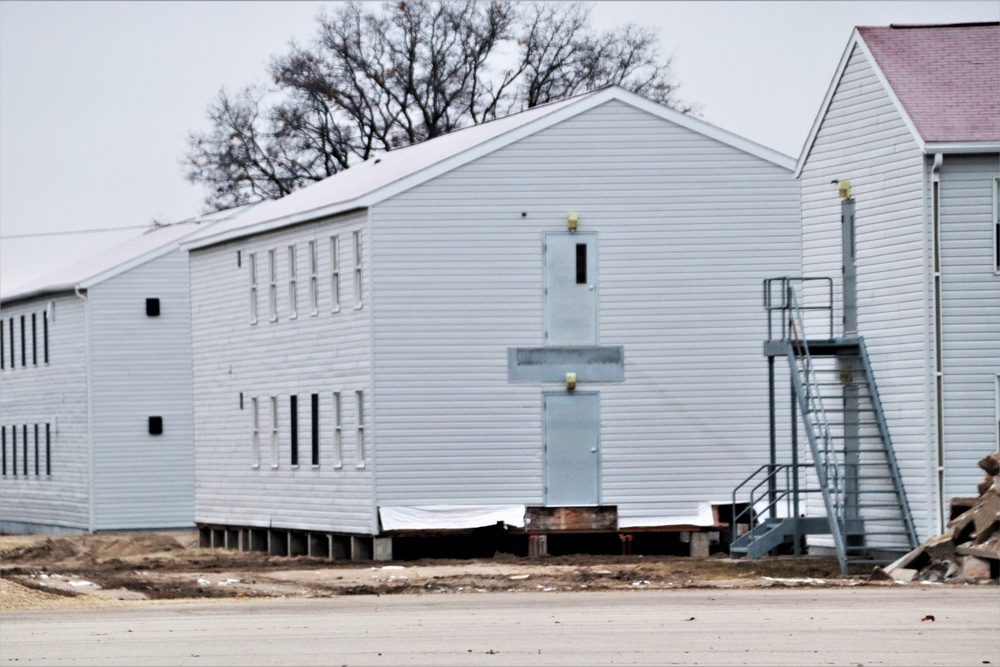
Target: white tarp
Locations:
point(704, 517)
point(450, 517)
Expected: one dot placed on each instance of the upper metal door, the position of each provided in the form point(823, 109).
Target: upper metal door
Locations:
point(570, 288)
point(572, 448)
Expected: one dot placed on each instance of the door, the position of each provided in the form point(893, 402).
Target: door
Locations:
point(572, 448)
point(570, 288)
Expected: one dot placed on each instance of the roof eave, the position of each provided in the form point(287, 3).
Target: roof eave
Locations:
point(51, 290)
point(960, 147)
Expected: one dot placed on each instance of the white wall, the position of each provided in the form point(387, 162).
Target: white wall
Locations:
point(321, 354)
point(688, 229)
point(53, 393)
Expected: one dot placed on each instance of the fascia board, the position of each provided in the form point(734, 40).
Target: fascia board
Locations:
point(276, 223)
point(959, 147)
point(51, 290)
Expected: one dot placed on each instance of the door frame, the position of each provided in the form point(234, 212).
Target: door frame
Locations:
point(545, 446)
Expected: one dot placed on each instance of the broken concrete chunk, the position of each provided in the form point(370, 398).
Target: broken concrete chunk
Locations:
point(975, 568)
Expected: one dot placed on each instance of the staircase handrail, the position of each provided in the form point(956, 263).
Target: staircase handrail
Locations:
point(750, 512)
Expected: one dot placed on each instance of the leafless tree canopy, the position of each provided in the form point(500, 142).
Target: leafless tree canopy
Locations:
point(376, 78)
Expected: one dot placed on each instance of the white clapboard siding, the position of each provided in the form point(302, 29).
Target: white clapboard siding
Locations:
point(863, 139)
point(970, 317)
point(320, 354)
point(55, 393)
point(687, 228)
point(141, 367)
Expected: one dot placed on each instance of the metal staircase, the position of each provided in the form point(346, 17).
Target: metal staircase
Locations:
point(851, 489)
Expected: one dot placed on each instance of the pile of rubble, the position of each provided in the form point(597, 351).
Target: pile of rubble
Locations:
point(969, 550)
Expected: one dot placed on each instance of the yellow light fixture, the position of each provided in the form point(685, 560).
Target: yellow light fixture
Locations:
point(844, 189)
point(571, 221)
point(570, 381)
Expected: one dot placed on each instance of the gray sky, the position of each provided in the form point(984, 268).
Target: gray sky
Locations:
point(97, 98)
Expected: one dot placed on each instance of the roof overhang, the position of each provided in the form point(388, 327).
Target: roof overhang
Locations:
point(962, 147)
point(49, 291)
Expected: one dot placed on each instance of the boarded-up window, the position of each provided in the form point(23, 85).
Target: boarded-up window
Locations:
point(255, 431)
point(272, 274)
point(274, 431)
point(293, 284)
point(334, 274)
point(252, 268)
point(359, 442)
point(313, 280)
point(338, 431)
point(357, 270)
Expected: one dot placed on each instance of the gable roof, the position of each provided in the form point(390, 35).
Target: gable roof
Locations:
point(115, 260)
point(944, 80)
point(390, 173)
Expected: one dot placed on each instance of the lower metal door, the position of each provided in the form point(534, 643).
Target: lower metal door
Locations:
point(572, 448)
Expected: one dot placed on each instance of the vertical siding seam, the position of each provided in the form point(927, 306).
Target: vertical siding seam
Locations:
point(90, 411)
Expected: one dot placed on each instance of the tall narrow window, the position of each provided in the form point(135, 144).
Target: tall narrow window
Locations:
point(45, 336)
point(24, 347)
point(3, 349)
point(252, 267)
point(581, 263)
point(13, 358)
point(314, 405)
point(24, 450)
point(48, 450)
point(34, 340)
point(255, 432)
point(359, 442)
point(338, 431)
point(357, 270)
point(293, 282)
point(13, 450)
point(313, 280)
point(272, 274)
point(3, 442)
point(293, 409)
point(334, 274)
point(38, 463)
point(274, 431)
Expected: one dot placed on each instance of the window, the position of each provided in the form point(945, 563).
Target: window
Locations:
point(45, 336)
point(152, 307)
point(293, 295)
point(252, 267)
point(13, 450)
point(34, 340)
point(581, 263)
point(359, 443)
point(3, 443)
point(3, 349)
point(24, 449)
point(38, 470)
point(24, 348)
point(996, 225)
point(293, 409)
point(255, 431)
point(272, 274)
point(313, 280)
point(357, 270)
point(274, 431)
point(315, 429)
point(338, 432)
point(48, 450)
point(334, 274)
point(13, 363)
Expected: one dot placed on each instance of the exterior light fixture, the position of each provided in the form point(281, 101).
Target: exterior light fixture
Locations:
point(571, 221)
point(570, 381)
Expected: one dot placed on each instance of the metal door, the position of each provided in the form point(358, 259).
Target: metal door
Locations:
point(570, 288)
point(572, 448)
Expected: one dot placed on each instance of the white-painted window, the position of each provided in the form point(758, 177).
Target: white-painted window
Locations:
point(293, 285)
point(313, 281)
point(359, 441)
point(338, 432)
point(274, 431)
point(357, 270)
point(252, 268)
point(334, 274)
point(272, 274)
point(255, 432)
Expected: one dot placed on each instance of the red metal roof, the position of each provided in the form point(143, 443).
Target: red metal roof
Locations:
point(946, 77)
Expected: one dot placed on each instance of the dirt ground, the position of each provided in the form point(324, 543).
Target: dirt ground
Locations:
point(47, 572)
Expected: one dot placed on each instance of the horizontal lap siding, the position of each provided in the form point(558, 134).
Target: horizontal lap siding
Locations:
point(688, 228)
point(57, 394)
point(864, 140)
point(322, 354)
point(142, 368)
point(970, 295)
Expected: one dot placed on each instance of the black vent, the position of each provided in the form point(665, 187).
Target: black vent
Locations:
point(155, 425)
point(153, 307)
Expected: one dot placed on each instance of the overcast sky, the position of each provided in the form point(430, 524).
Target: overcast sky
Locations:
point(97, 98)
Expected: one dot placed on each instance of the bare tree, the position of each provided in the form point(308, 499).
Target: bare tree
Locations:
point(375, 79)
